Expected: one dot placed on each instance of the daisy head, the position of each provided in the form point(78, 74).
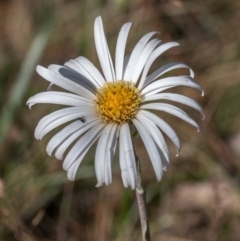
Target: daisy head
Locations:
point(101, 106)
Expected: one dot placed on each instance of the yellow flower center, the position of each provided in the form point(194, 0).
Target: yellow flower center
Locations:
point(118, 101)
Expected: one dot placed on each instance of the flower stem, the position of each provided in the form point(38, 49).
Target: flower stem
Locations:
point(141, 200)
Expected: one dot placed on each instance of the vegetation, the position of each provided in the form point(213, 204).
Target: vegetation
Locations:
point(198, 198)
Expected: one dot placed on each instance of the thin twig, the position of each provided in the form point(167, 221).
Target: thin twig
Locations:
point(141, 200)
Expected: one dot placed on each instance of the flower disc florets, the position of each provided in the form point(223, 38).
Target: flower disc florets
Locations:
point(118, 101)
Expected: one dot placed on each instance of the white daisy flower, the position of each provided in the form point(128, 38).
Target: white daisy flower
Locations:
point(101, 107)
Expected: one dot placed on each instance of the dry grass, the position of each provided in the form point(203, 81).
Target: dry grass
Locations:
point(198, 198)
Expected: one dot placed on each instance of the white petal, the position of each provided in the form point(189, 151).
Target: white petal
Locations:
point(127, 155)
point(120, 50)
point(92, 70)
point(109, 155)
point(165, 83)
point(61, 98)
point(64, 83)
point(161, 90)
point(57, 123)
point(156, 136)
point(72, 170)
point(122, 163)
point(171, 109)
point(54, 119)
point(86, 67)
point(81, 145)
point(158, 51)
point(73, 76)
point(103, 51)
point(63, 139)
point(115, 139)
point(151, 45)
point(50, 87)
point(151, 148)
point(164, 69)
point(125, 63)
point(123, 166)
point(64, 145)
point(62, 135)
point(100, 155)
point(110, 151)
point(177, 98)
point(164, 126)
point(76, 66)
point(55, 115)
point(135, 56)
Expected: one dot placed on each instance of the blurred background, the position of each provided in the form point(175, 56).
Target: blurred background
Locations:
point(198, 198)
